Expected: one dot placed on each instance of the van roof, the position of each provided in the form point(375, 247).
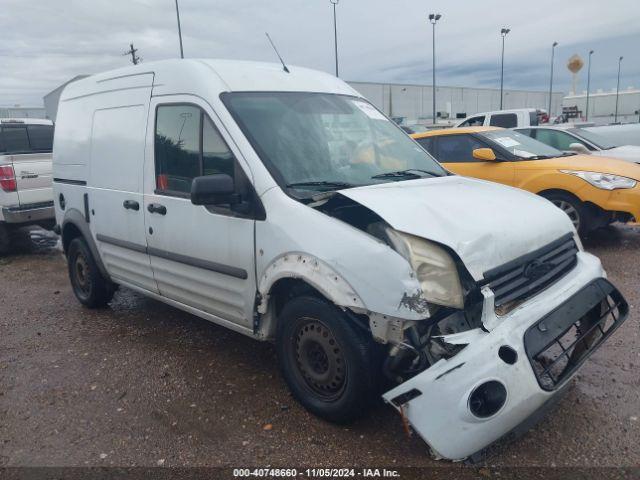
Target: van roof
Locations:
point(194, 75)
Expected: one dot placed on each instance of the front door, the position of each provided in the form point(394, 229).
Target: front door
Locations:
point(202, 257)
point(455, 152)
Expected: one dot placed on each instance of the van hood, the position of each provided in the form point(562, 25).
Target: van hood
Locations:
point(631, 153)
point(486, 224)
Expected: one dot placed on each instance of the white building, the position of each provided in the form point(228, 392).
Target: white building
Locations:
point(18, 111)
point(602, 105)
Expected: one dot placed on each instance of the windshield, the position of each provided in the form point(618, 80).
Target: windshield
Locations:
point(598, 140)
point(521, 145)
point(314, 141)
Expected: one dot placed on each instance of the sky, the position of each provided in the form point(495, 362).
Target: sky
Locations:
point(46, 42)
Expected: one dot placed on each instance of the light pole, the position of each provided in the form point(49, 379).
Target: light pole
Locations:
point(553, 48)
point(503, 33)
point(586, 117)
point(615, 117)
point(335, 31)
point(179, 30)
point(433, 18)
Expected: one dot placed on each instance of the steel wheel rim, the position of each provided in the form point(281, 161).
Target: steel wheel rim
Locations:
point(319, 359)
point(570, 210)
point(81, 270)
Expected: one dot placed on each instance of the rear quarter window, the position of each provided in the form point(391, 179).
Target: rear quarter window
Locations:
point(504, 120)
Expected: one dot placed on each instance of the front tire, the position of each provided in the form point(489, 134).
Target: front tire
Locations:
point(574, 208)
point(328, 363)
point(90, 287)
point(5, 240)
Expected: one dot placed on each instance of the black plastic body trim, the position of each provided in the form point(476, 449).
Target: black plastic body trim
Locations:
point(176, 257)
point(70, 182)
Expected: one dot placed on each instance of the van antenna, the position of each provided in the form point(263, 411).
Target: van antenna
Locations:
point(284, 66)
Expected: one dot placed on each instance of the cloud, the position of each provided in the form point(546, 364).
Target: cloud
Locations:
point(46, 42)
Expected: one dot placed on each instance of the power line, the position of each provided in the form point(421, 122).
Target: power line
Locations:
point(132, 51)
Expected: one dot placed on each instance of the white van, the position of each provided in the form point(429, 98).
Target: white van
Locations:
point(518, 117)
point(284, 206)
point(26, 196)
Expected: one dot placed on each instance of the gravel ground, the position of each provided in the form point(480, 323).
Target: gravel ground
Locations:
point(143, 384)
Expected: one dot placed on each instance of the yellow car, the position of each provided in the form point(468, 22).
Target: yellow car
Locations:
point(593, 191)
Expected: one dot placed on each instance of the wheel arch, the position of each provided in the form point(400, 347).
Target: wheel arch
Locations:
point(74, 225)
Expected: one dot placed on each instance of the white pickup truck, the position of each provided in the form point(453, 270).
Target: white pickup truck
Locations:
point(26, 196)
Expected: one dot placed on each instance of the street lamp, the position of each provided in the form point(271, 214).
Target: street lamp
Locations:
point(586, 117)
point(335, 31)
point(503, 33)
point(615, 118)
point(433, 18)
point(179, 30)
point(553, 48)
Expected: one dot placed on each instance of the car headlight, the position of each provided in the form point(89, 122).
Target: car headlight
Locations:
point(435, 269)
point(605, 181)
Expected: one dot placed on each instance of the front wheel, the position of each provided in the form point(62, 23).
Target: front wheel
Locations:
point(574, 209)
point(90, 287)
point(327, 362)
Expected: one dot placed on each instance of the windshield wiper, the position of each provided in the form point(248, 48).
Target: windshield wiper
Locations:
point(410, 172)
point(321, 183)
point(541, 157)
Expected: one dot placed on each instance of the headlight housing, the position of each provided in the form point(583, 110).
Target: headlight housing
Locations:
point(605, 181)
point(434, 267)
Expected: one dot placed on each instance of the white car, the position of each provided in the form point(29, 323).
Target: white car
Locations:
point(581, 140)
point(625, 134)
point(26, 196)
point(517, 117)
point(283, 205)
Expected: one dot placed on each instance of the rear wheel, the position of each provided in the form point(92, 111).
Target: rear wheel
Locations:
point(90, 287)
point(573, 207)
point(328, 363)
point(5, 239)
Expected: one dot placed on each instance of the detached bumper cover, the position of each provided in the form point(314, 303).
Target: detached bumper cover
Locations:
point(436, 402)
point(29, 213)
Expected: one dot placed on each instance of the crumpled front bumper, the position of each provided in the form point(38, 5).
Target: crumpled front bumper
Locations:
point(436, 401)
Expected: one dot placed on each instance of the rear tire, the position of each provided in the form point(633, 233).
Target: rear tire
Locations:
point(328, 363)
point(574, 208)
point(90, 287)
point(5, 240)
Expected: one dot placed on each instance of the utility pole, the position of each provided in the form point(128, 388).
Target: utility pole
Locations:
point(503, 33)
point(615, 118)
point(553, 48)
point(179, 30)
point(433, 18)
point(586, 117)
point(132, 51)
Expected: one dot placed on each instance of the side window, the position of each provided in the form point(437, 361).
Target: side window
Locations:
point(427, 144)
point(40, 137)
point(473, 122)
point(555, 138)
point(177, 147)
point(188, 145)
point(504, 120)
point(457, 148)
point(15, 139)
point(216, 156)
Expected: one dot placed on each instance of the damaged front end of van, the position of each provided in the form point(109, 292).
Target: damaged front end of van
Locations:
point(491, 320)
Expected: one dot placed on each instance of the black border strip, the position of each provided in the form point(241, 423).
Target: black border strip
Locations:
point(69, 181)
point(175, 257)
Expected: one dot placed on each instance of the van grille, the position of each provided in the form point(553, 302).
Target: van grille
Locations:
point(523, 277)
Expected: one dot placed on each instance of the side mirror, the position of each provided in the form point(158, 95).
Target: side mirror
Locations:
point(579, 148)
point(217, 189)
point(484, 154)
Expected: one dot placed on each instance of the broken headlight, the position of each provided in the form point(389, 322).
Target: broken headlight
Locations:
point(434, 267)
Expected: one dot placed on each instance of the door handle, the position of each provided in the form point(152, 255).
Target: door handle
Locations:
point(131, 205)
point(157, 208)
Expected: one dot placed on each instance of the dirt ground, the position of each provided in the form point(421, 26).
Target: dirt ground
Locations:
point(143, 384)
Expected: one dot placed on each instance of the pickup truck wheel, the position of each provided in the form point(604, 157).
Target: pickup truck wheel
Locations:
point(5, 240)
point(328, 364)
point(89, 285)
point(573, 207)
